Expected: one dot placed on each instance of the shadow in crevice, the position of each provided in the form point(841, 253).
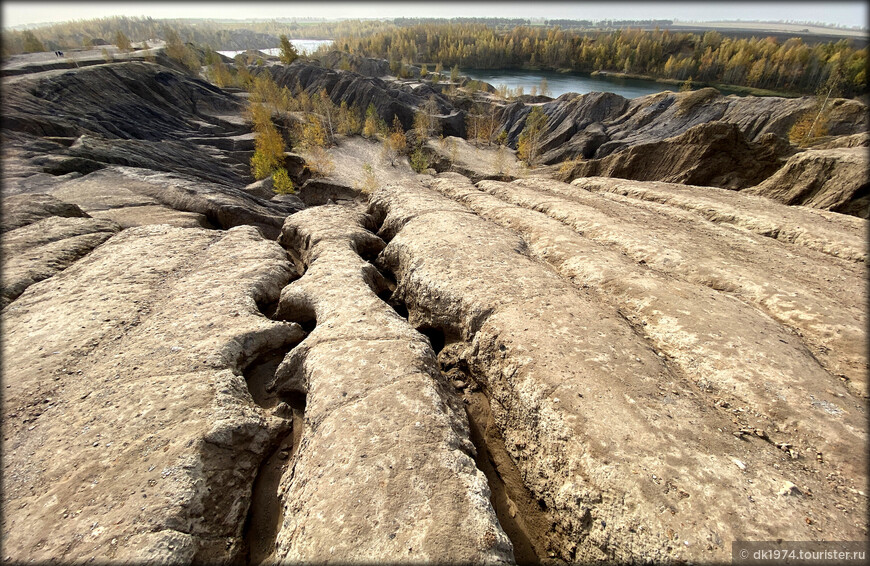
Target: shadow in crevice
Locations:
point(266, 512)
point(268, 308)
point(522, 516)
point(436, 336)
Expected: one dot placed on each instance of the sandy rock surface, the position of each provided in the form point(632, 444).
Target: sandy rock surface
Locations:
point(835, 234)
point(384, 471)
point(829, 179)
point(39, 250)
point(583, 405)
point(130, 432)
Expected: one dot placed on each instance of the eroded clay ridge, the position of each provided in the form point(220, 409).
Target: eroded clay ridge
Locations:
point(835, 234)
point(632, 454)
point(812, 293)
point(129, 432)
point(700, 340)
point(384, 471)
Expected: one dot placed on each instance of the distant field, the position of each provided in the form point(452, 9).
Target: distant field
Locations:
point(773, 27)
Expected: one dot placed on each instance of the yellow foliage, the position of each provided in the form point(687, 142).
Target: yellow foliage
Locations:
point(264, 89)
point(312, 133)
point(369, 182)
point(348, 120)
point(528, 144)
point(268, 145)
point(281, 182)
point(370, 129)
point(812, 125)
point(419, 161)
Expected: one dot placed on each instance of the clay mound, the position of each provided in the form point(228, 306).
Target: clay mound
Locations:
point(829, 179)
point(389, 98)
point(596, 125)
point(714, 154)
point(148, 101)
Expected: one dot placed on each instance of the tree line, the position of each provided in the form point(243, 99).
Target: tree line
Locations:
point(711, 58)
point(218, 35)
point(487, 43)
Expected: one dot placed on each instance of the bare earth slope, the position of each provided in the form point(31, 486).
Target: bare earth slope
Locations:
point(604, 427)
point(434, 369)
point(129, 427)
point(830, 179)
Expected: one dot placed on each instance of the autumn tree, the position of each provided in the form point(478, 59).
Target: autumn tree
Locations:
point(31, 43)
point(396, 143)
point(268, 144)
point(288, 51)
point(179, 51)
point(348, 120)
point(219, 74)
point(529, 143)
point(122, 41)
point(373, 124)
point(324, 106)
point(426, 122)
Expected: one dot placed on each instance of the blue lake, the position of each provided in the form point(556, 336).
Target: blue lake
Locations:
point(560, 83)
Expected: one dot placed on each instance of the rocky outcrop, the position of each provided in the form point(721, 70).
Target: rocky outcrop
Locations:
point(148, 102)
point(834, 234)
point(384, 470)
point(829, 179)
point(589, 411)
point(390, 99)
point(135, 197)
point(130, 433)
point(596, 125)
point(136, 114)
point(715, 154)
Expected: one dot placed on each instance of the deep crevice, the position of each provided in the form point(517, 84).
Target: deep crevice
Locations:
point(268, 308)
point(265, 513)
point(436, 337)
point(519, 513)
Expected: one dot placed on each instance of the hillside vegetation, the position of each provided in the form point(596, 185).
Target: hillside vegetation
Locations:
point(707, 58)
point(711, 58)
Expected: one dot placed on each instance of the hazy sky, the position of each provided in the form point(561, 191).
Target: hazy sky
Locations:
point(844, 13)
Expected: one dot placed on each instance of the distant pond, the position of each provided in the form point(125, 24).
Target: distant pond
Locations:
point(560, 83)
point(303, 47)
